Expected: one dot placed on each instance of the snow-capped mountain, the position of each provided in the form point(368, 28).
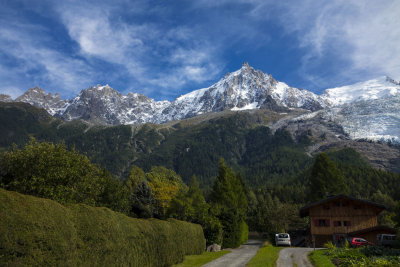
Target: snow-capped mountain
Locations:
point(368, 109)
point(38, 98)
point(365, 110)
point(378, 88)
point(241, 90)
point(104, 105)
point(5, 98)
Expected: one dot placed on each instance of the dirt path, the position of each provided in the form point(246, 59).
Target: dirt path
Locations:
point(294, 257)
point(238, 257)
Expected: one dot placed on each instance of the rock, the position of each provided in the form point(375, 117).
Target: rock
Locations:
point(213, 248)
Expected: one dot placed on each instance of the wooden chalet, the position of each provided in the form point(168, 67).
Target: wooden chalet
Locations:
point(338, 217)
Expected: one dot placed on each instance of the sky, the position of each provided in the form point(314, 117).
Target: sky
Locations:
point(164, 49)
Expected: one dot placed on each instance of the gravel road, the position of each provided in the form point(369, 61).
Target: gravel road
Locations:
point(294, 257)
point(238, 257)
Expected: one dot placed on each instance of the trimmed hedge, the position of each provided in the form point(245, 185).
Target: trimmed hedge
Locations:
point(42, 232)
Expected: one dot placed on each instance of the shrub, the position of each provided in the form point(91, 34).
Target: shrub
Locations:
point(42, 232)
point(51, 171)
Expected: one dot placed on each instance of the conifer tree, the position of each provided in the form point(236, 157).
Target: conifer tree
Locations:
point(229, 199)
point(326, 179)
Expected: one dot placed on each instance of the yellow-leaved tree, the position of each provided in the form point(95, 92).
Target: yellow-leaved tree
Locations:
point(164, 184)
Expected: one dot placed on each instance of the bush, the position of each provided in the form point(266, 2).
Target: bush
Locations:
point(51, 171)
point(213, 230)
point(41, 232)
point(244, 232)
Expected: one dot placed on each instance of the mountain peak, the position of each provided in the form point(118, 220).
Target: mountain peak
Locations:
point(5, 98)
point(389, 79)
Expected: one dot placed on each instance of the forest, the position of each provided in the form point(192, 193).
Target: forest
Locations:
point(226, 211)
point(225, 169)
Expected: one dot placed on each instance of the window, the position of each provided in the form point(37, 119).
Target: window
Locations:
point(321, 222)
point(337, 223)
point(346, 223)
point(326, 207)
point(357, 207)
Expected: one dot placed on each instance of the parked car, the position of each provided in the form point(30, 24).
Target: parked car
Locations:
point(356, 242)
point(386, 240)
point(282, 239)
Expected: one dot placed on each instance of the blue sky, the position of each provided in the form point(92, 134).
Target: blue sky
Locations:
point(167, 48)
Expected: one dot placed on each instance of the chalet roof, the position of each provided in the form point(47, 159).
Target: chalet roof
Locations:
point(304, 211)
point(384, 229)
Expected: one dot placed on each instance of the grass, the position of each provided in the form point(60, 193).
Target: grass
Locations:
point(318, 259)
point(266, 256)
point(199, 260)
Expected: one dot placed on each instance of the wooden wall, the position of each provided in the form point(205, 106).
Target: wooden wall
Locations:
point(360, 215)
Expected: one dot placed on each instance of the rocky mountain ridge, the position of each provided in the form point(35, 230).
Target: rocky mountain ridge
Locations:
point(364, 110)
point(243, 89)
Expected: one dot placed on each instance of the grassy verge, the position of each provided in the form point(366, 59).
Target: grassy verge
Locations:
point(319, 259)
point(199, 260)
point(266, 256)
point(367, 256)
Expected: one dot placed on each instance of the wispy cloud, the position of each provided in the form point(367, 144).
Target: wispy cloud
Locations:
point(163, 49)
point(154, 55)
point(35, 61)
point(355, 39)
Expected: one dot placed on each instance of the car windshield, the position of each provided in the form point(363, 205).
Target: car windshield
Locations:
point(283, 235)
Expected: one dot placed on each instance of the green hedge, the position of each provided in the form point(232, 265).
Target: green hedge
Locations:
point(42, 232)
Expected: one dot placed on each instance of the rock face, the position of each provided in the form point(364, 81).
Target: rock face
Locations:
point(38, 98)
point(5, 98)
point(104, 105)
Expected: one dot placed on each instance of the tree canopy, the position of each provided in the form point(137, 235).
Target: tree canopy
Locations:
point(51, 171)
point(326, 179)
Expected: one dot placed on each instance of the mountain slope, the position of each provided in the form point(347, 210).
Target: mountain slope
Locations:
point(193, 146)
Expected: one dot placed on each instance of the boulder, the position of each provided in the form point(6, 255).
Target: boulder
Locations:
point(213, 248)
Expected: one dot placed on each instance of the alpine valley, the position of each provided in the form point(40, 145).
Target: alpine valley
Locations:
point(264, 128)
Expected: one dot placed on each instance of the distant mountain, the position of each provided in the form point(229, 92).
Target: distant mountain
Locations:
point(368, 109)
point(241, 90)
point(379, 88)
point(5, 98)
point(38, 98)
point(104, 105)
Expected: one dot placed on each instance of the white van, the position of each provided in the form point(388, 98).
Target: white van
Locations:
point(282, 239)
point(386, 240)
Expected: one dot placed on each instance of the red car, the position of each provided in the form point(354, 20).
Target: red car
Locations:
point(356, 242)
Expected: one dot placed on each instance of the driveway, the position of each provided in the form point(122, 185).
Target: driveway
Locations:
point(238, 257)
point(294, 257)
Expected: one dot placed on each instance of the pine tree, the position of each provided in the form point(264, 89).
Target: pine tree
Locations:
point(326, 179)
point(229, 199)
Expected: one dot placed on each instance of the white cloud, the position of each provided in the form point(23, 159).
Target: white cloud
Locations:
point(366, 34)
point(153, 54)
point(49, 68)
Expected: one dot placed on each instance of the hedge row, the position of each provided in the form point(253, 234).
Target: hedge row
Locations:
point(42, 232)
